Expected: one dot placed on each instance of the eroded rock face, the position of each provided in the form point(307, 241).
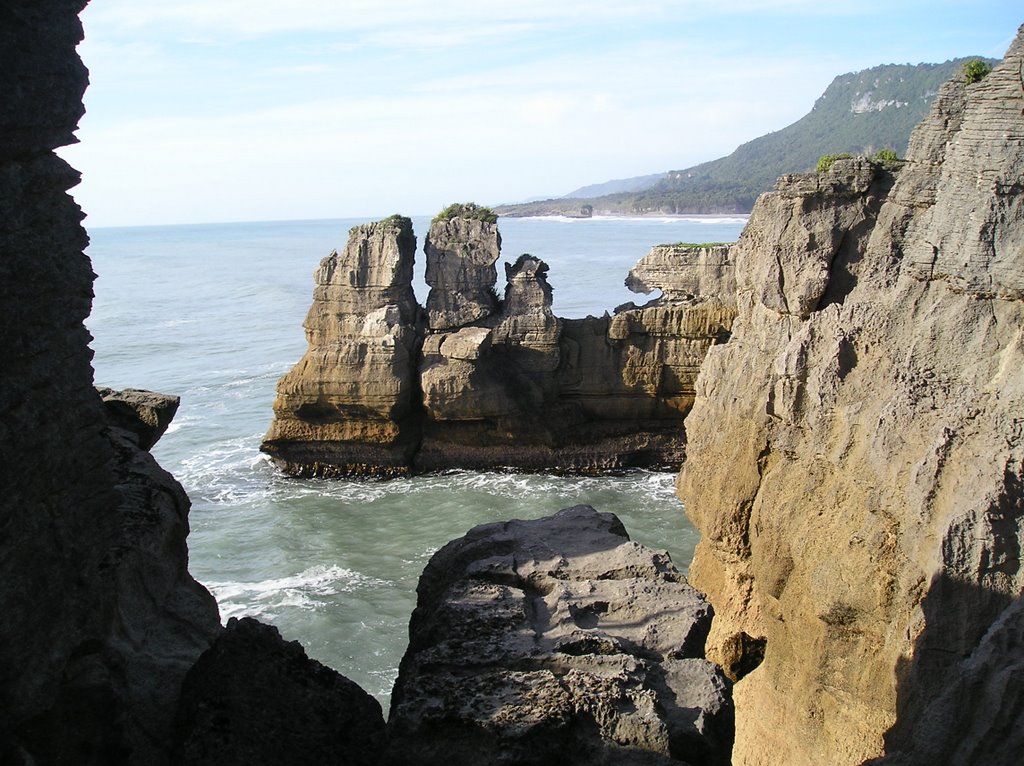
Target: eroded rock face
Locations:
point(102, 620)
point(501, 383)
point(461, 253)
point(349, 405)
point(557, 640)
point(144, 414)
point(255, 698)
point(685, 271)
point(855, 453)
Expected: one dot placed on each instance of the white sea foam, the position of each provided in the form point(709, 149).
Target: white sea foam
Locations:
point(307, 590)
point(182, 421)
point(229, 471)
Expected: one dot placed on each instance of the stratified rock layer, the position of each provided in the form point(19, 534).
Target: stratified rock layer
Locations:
point(499, 383)
point(461, 253)
point(855, 452)
point(685, 271)
point(349, 405)
point(557, 641)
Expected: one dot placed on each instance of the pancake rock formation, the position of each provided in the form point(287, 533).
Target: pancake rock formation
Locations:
point(349, 405)
point(558, 640)
point(856, 453)
point(475, 380)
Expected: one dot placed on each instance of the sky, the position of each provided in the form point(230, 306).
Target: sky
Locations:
point(240, 110)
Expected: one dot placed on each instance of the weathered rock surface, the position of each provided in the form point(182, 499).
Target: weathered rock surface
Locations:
point(855, 456)
point(507, 383)
point(144, 414)
point(164, 619)
point(685, 271)
point(254, 698)
point(557, 640)
point(351, 400)
point(461, 253)
point(98, 629)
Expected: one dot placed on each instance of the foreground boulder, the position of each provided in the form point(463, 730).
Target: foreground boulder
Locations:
point(255, 698)
point(558, 641)
point(856, 453)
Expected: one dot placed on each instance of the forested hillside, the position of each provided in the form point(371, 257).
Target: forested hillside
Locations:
point(858, 113)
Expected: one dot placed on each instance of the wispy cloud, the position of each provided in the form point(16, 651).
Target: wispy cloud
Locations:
point(270, 17)
point(228, 109)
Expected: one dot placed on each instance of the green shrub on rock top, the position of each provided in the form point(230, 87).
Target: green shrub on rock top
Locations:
point(469, 210)
point(826, 161)
point(975, 70)
point(887, 158)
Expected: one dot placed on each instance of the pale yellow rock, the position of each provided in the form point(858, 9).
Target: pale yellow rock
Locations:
point(855, 451)
point(683, 271)
point(349, 396)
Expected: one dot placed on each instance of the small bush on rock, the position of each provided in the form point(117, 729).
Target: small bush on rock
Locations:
point(887, 158)
point(975, 70)
point(469, 210)
point(825, 161)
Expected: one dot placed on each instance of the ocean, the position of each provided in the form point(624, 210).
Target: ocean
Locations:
point(213, 313)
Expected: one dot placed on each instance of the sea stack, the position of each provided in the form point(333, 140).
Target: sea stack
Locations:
point(856, 452)
point(461, 253)
point(350, 405)
point(477, 381)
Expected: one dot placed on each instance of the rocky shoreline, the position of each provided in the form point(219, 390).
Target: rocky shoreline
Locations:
point(855, 465)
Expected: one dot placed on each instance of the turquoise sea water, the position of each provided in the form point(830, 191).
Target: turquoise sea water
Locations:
point(213, 313)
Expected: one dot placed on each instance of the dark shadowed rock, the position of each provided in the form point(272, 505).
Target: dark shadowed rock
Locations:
point(254, 698)
point(557, 641)
point(101, 619)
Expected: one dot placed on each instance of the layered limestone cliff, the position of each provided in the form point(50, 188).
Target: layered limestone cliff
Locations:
point(487, 382)
point(855, 456)
point(350, 403)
